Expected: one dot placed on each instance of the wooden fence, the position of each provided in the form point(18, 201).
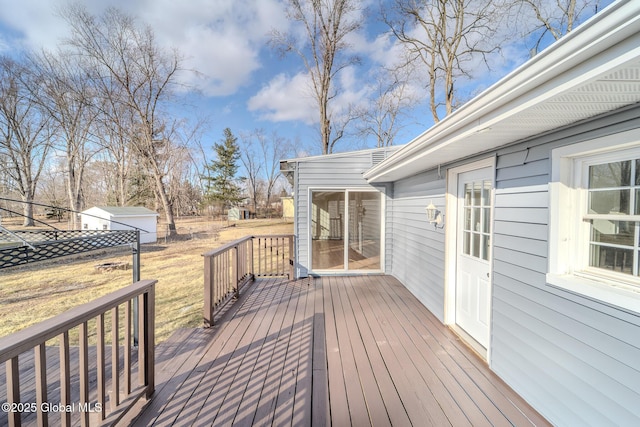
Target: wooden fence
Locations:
point(228, 268)
point(79, 394)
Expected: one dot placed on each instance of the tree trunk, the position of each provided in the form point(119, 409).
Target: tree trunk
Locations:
point(74, 192)
point(27, 210)
point(167, 206)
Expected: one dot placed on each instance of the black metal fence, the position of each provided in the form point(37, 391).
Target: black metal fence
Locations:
point(49, 244)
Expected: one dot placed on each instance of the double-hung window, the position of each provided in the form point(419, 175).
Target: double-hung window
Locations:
point(613, 212)
point(594, 242)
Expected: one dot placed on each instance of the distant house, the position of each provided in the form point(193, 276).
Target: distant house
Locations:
point(287, 207)
point(122, 218)
point(515, 220)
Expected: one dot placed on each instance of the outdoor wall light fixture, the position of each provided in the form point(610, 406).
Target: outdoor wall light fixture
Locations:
point(434, 216)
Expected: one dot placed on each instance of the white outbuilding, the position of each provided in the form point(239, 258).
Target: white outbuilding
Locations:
point(122, 218)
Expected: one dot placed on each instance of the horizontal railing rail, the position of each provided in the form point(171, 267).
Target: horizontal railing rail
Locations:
point(81, 378)
point(228, 268)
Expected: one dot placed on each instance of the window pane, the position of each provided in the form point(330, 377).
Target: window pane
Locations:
point(485, 226)
point(637, 202)
point(609, 202)
point(466, 243)
point(615, 259)
point(467, 195)
point(476, 219)
point(485, 247)
point(616, 174)
point(475, 245)
point(486, 193)
point(612, 232)
point(638, 172)
point(467, 218)
point(477, 193)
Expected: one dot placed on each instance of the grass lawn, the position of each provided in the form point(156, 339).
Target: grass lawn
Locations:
point(34, 293)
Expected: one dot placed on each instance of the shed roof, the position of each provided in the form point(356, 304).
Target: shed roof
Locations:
point(592, 70)
point(124, 211)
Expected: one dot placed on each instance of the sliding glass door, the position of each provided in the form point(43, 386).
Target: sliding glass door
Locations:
point(327, 230)
point(345, 230)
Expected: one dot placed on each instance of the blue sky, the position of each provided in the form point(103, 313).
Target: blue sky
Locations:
point(242, 83)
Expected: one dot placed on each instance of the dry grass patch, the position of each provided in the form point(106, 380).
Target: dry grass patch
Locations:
point(29, 295)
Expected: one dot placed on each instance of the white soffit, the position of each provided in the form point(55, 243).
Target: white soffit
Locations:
point(580, 78)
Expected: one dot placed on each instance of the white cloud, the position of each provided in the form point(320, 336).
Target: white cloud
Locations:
point(287, 98)
point(284, 99)
point(32, 24)
point(221, 39)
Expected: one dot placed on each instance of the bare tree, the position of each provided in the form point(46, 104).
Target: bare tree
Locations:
point(326, 23)
point(67, 95)
point(25, 132)
point(252, 168)
point(555, 18)
point(392, 95)
point(136, 75)
point(113, 135)
point(273, 149)
point(181, 170)
point(445, 37)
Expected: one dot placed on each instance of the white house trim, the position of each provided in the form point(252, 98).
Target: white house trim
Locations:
point(568, 258)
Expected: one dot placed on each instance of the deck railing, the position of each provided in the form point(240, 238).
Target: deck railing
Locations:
point(81, 391)
point(228, 268)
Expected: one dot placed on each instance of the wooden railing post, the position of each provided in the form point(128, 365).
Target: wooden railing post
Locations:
point(65, 378)
point(13, 391)
point(251, 260)
point(41, 382)
point(83, 348)
point(150, 344)
point(101, 365)
point(236, 270)
point(114, 400)
point(292, 259)
point(208, 291)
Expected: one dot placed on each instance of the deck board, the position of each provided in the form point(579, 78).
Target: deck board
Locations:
point(357, 350)
point(340, 351)
point(374, 408)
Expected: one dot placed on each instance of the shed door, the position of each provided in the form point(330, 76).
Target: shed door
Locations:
point(473, 269)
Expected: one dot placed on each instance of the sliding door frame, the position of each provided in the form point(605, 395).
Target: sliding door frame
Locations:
point(345, 231)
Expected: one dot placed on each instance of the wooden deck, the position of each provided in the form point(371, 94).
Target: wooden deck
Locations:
point(332, 350)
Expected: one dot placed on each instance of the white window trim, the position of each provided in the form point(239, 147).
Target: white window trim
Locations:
point(568, 232)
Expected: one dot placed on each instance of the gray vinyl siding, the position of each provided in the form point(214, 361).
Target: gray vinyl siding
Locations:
point(324, 172)
point(576, 360)
point(417, 247)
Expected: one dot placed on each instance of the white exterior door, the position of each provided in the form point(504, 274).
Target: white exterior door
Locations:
point(473, 253)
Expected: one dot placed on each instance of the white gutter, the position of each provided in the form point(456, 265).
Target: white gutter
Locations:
point(558, 68)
